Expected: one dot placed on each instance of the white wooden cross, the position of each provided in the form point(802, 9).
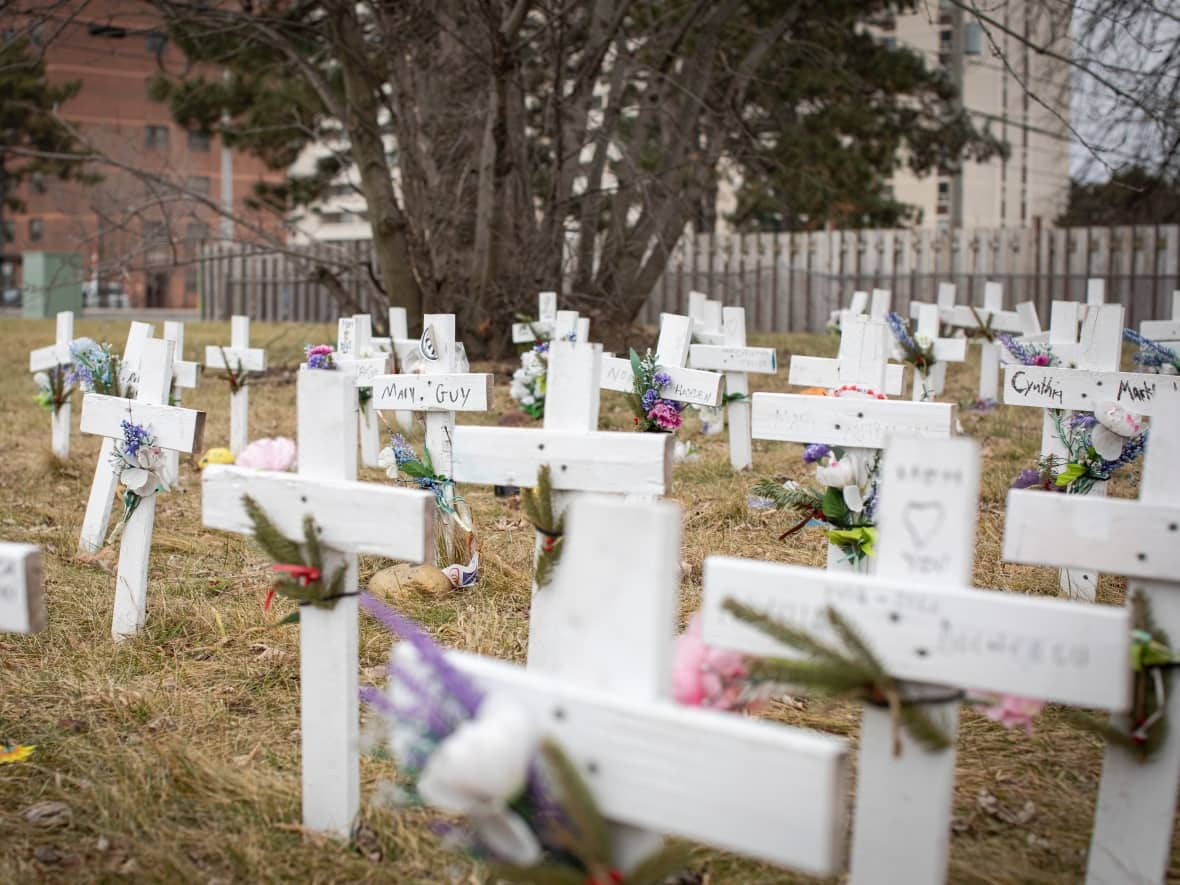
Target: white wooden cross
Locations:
point(439, 390)
point(542, 328)
point(356, 355)
point(185, 375)
point(706, 318)
point(928, 385)
point(22, 596)
point(396, 344)
point(856, 423)
point(57, 357)
point(651, 764)
point(1132, 836)
point(1096, 379)
point(173, 428)
point(864, 349)
point(735, 359)
point(353, 517)
point(242, 359)
point(1022, 321)
point(105, 483)
point(1166, 332)
point(692, 386)
point(925, 623)
point(580, 458)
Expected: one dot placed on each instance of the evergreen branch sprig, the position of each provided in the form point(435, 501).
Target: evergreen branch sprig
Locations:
point(1146, 729)
point(538, 506)
point(795, 497)
point(305, 582)
point(852, 672)
point(579, 831)
point(985, 326)
point(234, 374)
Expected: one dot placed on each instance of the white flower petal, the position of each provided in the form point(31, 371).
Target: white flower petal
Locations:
point(1106, 442)
point(509, 838)
point(853, 498)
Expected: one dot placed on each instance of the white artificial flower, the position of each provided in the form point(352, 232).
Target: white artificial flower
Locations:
point(1169, 369)
point(482, 767)
point(848, 474)
point(387, 458)
point(41, 379)
point(1115, 426)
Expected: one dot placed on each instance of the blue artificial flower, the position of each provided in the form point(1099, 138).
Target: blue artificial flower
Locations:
point(661, 379)
point(814, 451)
point(649, 400)
point(135, 437)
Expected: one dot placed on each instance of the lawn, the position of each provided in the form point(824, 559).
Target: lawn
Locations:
point(177, 752)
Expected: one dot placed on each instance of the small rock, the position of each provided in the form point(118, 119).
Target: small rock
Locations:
point(102, 844)
point(49, 815)
point(365, 839)
point(404, 581)
point(77, 726)
point(51, 855)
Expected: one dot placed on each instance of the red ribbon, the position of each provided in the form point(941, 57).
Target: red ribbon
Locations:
point(304, 574)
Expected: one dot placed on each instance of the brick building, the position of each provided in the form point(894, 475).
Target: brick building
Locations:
point(137, 232)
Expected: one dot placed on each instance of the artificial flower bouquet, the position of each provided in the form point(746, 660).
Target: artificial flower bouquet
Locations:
point(653, 413)
point(1097, 445)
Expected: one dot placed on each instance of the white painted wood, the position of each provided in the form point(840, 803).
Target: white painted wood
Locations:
point(605, 698)
point(861, 360)
point(355, 518)
point(22, 595)
point(696, 310)
point(105, 483)
point(1095, 291)
point(819, 371)
point(1083, 389)
point(1136, 801)
point(859, 303)
point(1030, 323)
point(1165, 331)
point(59, 428)
point(741, 447)
point(434, 393)
point(603, 461)
point(733, 358)
point(542, 329)
point(865, 423)
point(399, 331)
point(357, 356)
point(881, 304)
point(929, 385)
point(174, 427)
point(57, 356)
point(924, 623)
point(242, 358)
point(687, 385)
point(185, 376)
point(674, 340)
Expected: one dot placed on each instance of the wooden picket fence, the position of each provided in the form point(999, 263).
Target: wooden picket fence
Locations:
point(787, 282)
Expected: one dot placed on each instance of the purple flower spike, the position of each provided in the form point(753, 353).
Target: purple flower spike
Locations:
point(1027, 479)
point(814, 451)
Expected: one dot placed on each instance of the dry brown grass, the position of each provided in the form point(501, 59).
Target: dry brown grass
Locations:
point(177, 752)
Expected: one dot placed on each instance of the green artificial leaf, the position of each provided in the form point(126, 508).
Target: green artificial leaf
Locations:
point(292, 618)
point(636, 368)
point(416, 470)
point(1072, 472)
point(833, 504)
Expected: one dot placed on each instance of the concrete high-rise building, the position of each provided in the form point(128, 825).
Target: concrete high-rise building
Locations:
point(137, 233)
point(994, 63)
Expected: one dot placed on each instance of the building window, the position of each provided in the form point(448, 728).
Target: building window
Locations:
point(155, 232)
point(36, 230)
point(944, 198)
point(973, 39)
point(155, 41)
point(111, 32)
point(198, 140)
point(199, 184)
point(10, 231)
point(889, 42)
point(155, 137)
point(196, 231)
point(37, 183)
point(190, 278)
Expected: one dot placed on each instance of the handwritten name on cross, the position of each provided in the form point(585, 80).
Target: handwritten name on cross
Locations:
point(173, 428)
point(22, 594)
point(925, 623)
point(580, 459)
point(439, 390)
point(185, 376)
point(105, 483)
point(56, 358)
point(691, 386)
point(242, 358)
point(356, 355)
point(860, 360)
point(654, 765)
point(1164, 331)
point(1059, 390)
point(1133, 826)
point(353, 518)
point(736, 360)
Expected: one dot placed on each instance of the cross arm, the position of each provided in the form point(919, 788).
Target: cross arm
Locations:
point(1057, 388)
point(452, 392)
point(980, 639)
point(355, 517)
point(866, 423)
point(175, 428)
point(1160, 330)
point(251, 359)
point(688, 772)
point(22, 598)
point(44, 358)
point(733, 359)
point(637, 463)
point(687, 385)
point(1114, 535)
point(822, 371)
point(960, 317)
point(364, 369)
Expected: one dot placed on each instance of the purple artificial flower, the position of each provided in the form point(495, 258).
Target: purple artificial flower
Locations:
point(135, 437)
point(1027, 479)
point(661, 379)
point(649, 399)
point(320, 357)
point(1083, 420)
point(814, 451)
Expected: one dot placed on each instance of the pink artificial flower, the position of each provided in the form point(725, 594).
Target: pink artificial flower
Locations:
point(1041, 359)
point(665, 415)
point(268, 454)
point(319, 349)
point(710, 677)
point(1012, 711)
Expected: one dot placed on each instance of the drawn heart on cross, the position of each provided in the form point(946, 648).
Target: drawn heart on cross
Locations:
point(922, 519)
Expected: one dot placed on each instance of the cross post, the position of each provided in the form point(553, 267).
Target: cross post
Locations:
point(242, 359)
point(356, 355)
point(353, 517)
point(56, 357)
point(185, 376)
point(1136, 799)
point(542, 329)
point(925, 622)
point(173, 428)
point(22, 595)
point(861, 359)
point(928, 385)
